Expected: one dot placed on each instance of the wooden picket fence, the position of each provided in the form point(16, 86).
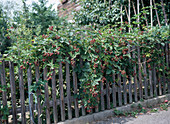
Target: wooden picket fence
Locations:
point(65, 105)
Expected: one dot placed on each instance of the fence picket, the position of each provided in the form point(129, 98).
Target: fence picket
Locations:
point(114, 90)
point(166, 51)
point(135, 77)
point(4, 86)
point(62, 105)
point(130, 89)
point(108, 94)
point(83, 108)
point(48, 121)
point(102, 96)
point(150, 82)
point(119, 90)
point(68, 90)
point(55, 113)
point(167, 63)
point(31, 104)
point(164, 78)
point(38, 92)
point(140, 75)
point(13, 92)
point(75, 92)
point(145, 78)
point(124, 90)
point(154, 80)
point(22, 95)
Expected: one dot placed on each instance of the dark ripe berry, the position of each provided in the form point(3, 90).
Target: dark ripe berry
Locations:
point(58, 52)
point(51, 54)
point(51, 28)
point(149, 60)
point(74, 47)
point(100, 33)
point(43, 60)
point(121, 57)
point(123, 72)
point(58, 48)
point(77, 50)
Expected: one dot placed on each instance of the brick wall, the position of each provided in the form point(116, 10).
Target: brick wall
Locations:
point(67, 8)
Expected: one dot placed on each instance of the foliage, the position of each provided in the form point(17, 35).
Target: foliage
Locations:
point(103, 52)
point(98, 12)
point(5, 40)
point(43, 16)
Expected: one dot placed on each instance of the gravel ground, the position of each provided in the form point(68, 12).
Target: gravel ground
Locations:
point(160, 117)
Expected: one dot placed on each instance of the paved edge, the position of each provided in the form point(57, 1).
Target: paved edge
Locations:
point(109, 113)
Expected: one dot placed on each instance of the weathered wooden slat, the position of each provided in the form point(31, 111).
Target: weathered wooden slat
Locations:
point(102, 96)
point(159, 73)
point(22, 96)
point(130, 89)
point(13, 92)
point(30, 95)
point(68, 90)
point(164, 84)
point(55, 111)
point(155, 80)
point(140, 74)
point(114, 90)
point(167, 64)
point(145, 78)
point(62, 105)
point(135, 77)
point(159, 83)
point(75, 92)
point(38, 92)
point(108, 94)
point(83, 108)
point(130, 78)
point(150, 83)
point(119, 90)
point(4, 86)
point(164, 78)
point(48, 121)
point(124, 90)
